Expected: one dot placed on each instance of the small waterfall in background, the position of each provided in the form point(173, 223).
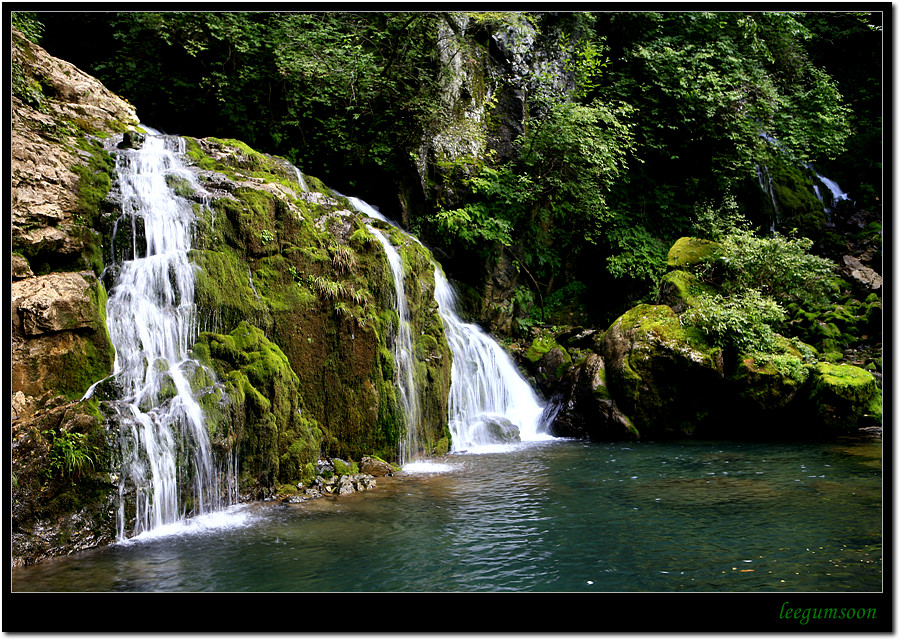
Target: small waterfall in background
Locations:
point(765, 183)
point(300, 179)
point(490, 402)
point(835, 193)
point(167, 462)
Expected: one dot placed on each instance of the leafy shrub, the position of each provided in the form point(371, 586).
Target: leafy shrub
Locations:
point(69, 453)
point(776, 266)
point(742, 322)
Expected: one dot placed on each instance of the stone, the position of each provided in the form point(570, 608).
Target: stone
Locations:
point(689, 252)
point(55, 302)
point(665, 378)
point(865, 276)
point(584, 407)
point(19, 267)
point(675, 289)
point(375, 467)
point(497, 430)
point(844, 395)
point(59, 337)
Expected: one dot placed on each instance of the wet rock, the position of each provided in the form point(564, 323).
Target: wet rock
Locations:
point(584, 407)
point(375, 467)
point(132, 140)
point(496, 430)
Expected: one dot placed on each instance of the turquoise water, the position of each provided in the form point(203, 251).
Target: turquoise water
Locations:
point(550, 516)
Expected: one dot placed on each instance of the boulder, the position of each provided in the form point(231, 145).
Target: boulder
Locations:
point(495, 430)
point(676, 289)
point(375, 467)
point(864, 276)
point(664, 377)
point(584, 407)
point(844, 396)
point(689, 252)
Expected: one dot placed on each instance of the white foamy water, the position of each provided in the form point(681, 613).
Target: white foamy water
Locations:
point(168, 469)
point(427, 466)
point(486, 388)
point(228, 519)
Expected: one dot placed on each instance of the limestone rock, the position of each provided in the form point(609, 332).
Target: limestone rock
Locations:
point(865, 276)
point(59, 337)
point(20, 268)
point(55, 302)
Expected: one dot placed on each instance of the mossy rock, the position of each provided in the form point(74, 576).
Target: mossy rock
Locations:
point(539, 347)
point(842, 395)
point(678, 288)
point(667, 379)
point(689, 252)
point(761, 387)
point(261, 411)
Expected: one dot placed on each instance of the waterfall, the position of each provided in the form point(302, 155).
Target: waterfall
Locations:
point(487, 392)
point(300, 180)
point(490, 402)
point(167, 460)
point(836, 193)
point(765, 183)
point(404, 354)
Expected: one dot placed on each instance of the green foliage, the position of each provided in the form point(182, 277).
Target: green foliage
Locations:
point(70, 453)
point(742, 322)
point(548, 204)
point(28, 25)
point(324, 88)
point(778, 267)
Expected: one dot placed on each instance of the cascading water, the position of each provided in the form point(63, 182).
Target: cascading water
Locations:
point(765, 183)
point(403, 353)
point(167, 462)
point(489, 398)
point(487, 393)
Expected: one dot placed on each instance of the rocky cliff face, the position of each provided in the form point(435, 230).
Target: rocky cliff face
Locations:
point(292, 291)
point(491, 71)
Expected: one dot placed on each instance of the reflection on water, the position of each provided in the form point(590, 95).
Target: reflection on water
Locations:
point(545, 516)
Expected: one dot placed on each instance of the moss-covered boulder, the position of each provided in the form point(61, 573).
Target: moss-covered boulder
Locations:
point(766, 393)
point(688, 252)
point(678, 288)
point(254, 408)
point(663, 376)
point(583, 406)
point(303, 266)
point(843, 396)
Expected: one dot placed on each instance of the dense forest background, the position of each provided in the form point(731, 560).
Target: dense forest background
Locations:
point(634, 129)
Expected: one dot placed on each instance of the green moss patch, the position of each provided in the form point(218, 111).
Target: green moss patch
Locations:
point(688, 252)
point(843, 394)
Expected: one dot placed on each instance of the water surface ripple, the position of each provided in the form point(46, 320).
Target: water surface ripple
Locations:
point(557, 515)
